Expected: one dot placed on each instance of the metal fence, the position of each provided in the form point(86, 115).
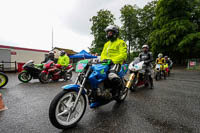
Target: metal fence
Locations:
point(193, 64)
point(4, 69)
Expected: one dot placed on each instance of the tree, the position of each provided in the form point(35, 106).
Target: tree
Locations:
point(190, 44)
point(146, 16)
point(99, 23)
point(173, 26)
point(130, 26)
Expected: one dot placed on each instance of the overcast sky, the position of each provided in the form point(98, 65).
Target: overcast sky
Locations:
point(29, 23)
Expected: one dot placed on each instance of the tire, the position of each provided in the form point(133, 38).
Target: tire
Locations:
point(168, 73)
point(157, 76)
point(67, 75)
point(60, 103)
point(44, 78)
point(3, 80)
point(133, 86)
point(164, 74)
point(24, 77)
point(122, 96)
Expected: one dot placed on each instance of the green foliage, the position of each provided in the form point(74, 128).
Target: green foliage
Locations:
point(99, 23)
point(171, 27)
point(129, 26)
point(146, 16)
point(174, 31)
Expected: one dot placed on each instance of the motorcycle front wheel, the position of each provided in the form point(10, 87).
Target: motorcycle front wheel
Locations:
point(67, 75)
point(122, 95)
point(3, 80)
point(44, 78)
point(61, 112)
point(24, 77)
point(157, 76)
point(133, 86)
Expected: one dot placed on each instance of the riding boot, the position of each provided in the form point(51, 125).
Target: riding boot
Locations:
point(151, 82)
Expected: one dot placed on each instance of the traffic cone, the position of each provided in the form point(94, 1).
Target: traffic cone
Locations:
point(2, 106)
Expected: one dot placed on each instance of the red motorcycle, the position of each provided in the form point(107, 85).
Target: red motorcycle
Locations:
point(55, 72)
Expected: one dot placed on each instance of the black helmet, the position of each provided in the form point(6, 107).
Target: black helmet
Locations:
point(62, 52)
point(114, 30)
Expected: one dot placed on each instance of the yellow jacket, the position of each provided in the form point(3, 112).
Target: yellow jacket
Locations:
point(160, 61)
point(116, 51)
point(63, 60)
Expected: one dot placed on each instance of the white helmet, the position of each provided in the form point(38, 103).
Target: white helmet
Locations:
point(112, 28)
point(145, 46)
point(160, 55)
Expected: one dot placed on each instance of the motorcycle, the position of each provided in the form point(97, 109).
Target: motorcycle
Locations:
point(159, 72)
point(68, 107)
point(3, 79)
point(55, 72)
point(137, 76)
point(30, 71)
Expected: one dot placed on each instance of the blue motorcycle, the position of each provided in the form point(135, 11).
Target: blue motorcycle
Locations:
point(92, 85)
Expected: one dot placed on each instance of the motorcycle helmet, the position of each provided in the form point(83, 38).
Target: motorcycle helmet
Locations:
point(115, 32)
point(166, 57)
point(160, 55)
point(145, 46)
point(62, 52)
point(51, 53)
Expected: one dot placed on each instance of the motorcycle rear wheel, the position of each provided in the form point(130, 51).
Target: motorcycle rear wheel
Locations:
point(61, 114)
point(3, 80)
point(24, 77)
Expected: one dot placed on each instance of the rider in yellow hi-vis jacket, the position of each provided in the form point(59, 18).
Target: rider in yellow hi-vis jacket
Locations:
point(114, 51)
point(160, 60)
point(63, 59)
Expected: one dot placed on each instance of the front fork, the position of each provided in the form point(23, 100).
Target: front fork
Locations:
point(81, 88)
point(131, 79)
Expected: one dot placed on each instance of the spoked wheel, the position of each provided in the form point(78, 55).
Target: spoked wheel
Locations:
point(44, 78)
point(24, 77)
point(67, 75)
point(3, 80)
point(62, 113)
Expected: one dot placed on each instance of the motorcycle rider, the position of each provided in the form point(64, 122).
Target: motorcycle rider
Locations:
point(160, 60)
point(147, 57)
point(50, 56)
point(171, 63)
point(115, 52)
point(63, 59)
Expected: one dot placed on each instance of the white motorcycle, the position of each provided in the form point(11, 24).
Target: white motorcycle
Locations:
point(158, 72)
point(137, 75)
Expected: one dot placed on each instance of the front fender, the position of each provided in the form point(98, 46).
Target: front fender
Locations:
point(44, 71)
point(24, 71)
point(73, 87)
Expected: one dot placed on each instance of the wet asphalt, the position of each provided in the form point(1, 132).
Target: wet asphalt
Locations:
point(173, 106)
